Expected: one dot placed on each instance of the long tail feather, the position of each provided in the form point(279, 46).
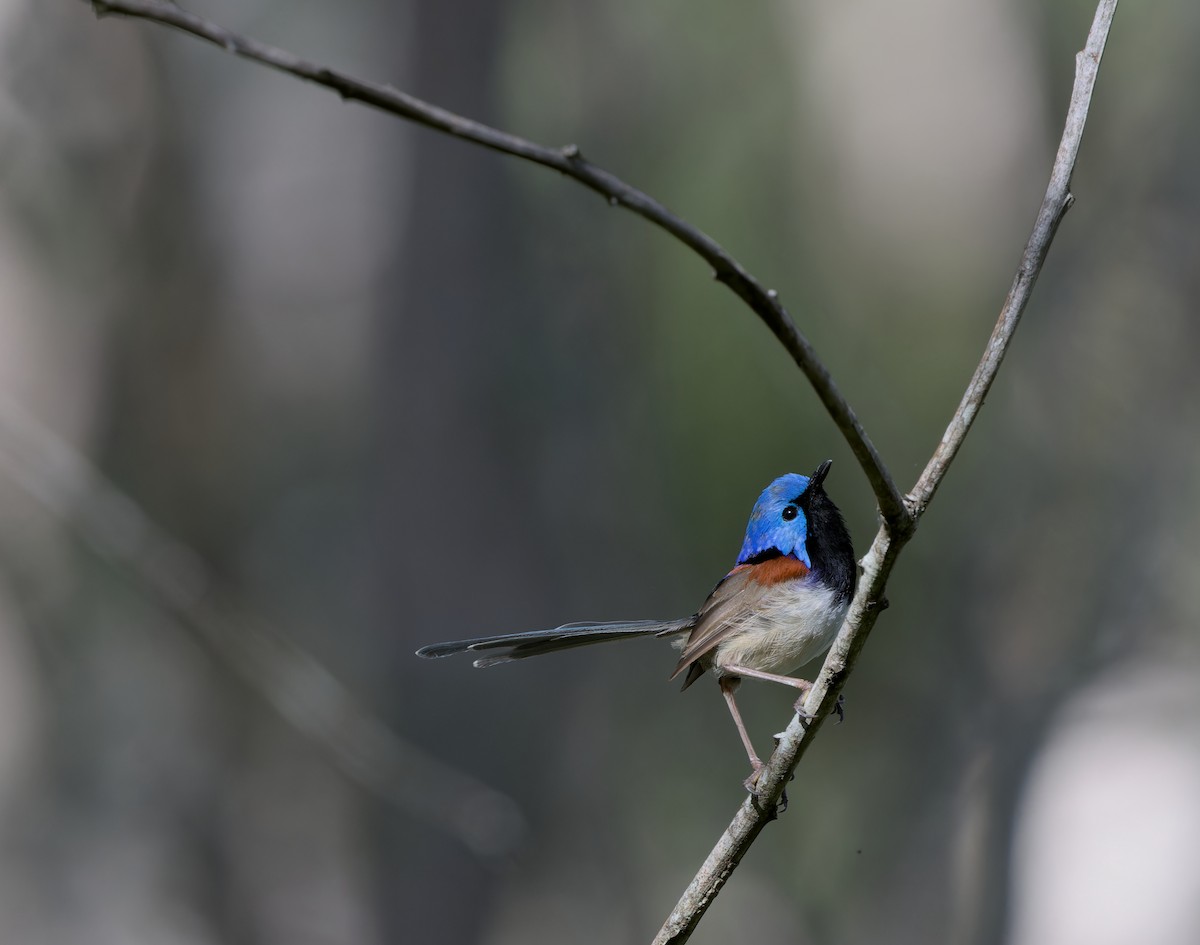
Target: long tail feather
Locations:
point(536, 642)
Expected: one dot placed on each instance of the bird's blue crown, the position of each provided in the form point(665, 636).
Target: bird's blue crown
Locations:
point(778, 523)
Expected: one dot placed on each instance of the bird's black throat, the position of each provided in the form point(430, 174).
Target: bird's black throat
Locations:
point(828, 544)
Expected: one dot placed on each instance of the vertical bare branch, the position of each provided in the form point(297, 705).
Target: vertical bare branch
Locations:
point(1054, 207)
point(869, 599)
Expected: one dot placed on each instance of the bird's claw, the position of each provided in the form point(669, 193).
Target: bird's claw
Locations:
point(751, 783)
point(839, 709)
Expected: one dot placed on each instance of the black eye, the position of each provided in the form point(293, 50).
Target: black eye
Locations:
point(789, 513)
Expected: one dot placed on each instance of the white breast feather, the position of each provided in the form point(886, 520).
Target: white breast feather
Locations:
point(794, 624)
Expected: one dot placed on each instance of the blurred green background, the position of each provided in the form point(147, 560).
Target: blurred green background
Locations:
point(390, 389)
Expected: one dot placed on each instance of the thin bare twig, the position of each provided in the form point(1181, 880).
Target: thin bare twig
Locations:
point(301, 690)
point(569, 161)
point(1054, 207)
point(869, 599)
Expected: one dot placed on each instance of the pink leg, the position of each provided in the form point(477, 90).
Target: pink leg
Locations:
point(803, 685)
point(733, 669)
point(728, 685)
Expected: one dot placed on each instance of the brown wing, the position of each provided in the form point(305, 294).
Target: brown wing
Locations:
point(730, 602)
point(738, 595)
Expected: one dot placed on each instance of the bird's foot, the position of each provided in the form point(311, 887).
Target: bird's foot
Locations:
point(839, 709)
point(751, 783)
point(783, 798)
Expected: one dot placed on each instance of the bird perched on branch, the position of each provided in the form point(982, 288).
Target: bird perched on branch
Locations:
point(779, 607)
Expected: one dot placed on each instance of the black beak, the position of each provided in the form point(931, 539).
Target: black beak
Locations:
point(819, 475)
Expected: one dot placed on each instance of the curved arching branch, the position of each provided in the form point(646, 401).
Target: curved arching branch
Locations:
point(567, 160)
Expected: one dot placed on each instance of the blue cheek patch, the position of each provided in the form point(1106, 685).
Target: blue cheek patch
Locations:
point(765, 534)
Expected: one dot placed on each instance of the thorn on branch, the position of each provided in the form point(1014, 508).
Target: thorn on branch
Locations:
point(571, 152)
point(772, 294)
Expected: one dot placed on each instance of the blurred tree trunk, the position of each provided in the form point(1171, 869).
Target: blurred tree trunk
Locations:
point(436, 365)
point(163, 435)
